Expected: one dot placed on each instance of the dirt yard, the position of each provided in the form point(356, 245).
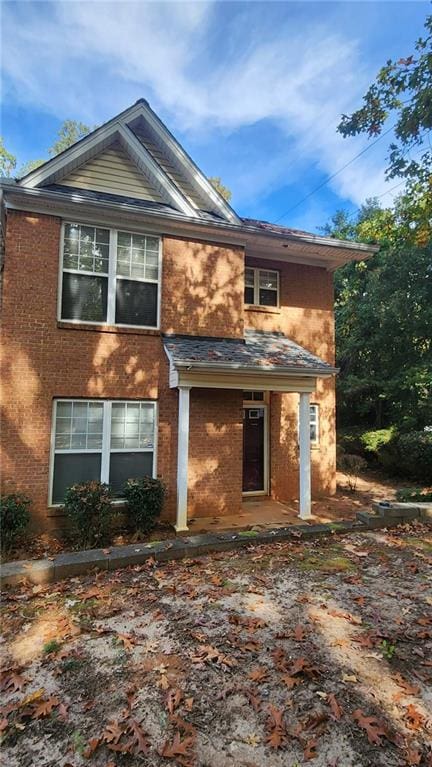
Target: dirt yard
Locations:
point(275, 656)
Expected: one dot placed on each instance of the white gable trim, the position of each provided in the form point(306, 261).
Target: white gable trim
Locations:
point(151, 169)
point(192, 171)
point(100, 139)
point(92, 145)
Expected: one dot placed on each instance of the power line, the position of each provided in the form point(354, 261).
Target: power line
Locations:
point(336, 173)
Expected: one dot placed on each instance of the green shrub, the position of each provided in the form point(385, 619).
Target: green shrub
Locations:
point(408, 494)
point(144, 498)
point(14, 518)
point(415, 455)
point(373, 441)
point(89, 511)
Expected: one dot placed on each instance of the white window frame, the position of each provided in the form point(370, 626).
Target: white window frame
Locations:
point(105, 450)
point(112, 276)
point(315, 422)
point(314, 442)
point(256, 286)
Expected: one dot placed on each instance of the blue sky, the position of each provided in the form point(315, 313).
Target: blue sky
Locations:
point(254, 91)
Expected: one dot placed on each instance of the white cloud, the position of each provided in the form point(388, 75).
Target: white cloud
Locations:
point(91, 59)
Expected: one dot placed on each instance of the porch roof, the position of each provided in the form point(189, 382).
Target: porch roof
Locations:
point(257, 352)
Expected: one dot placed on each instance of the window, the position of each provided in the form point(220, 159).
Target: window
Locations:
point(314, 424)
point(110, 276)
point(106, 441)
point(253, 396)
point(261, 287)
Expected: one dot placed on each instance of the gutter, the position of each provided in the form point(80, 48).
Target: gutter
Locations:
point(233, 367)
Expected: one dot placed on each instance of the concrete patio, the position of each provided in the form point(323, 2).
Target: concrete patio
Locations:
point(259, 513)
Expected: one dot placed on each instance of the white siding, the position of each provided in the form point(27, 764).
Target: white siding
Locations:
point(112, 172)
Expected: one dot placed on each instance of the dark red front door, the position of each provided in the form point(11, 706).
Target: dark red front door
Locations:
point(253, 449)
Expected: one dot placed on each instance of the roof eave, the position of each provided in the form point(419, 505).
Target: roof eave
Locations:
point(233, 367)
point(243, 234)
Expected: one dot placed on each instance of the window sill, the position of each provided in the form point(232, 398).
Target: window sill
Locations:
point(266, 309)
point(65, 325)
point(57, 509)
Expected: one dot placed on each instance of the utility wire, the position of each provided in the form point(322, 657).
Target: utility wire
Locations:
point(336, 173)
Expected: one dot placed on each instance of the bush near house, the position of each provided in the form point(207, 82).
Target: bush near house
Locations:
point(144, 500)
point(14, 518)
point(402, 454)
point(89, 510)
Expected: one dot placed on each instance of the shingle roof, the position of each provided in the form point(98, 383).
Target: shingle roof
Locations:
point(258, 350)
point(267, 226)
point(144, 205)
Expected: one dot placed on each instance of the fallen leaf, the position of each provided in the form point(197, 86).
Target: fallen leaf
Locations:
point(373, 726)
point(336, 709)
point(45, 707)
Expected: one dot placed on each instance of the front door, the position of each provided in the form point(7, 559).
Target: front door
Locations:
point(253, 449)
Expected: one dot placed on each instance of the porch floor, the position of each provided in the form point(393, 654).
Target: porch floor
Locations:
point(257, 513)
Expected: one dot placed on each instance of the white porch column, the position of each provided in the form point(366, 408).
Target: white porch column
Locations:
point(182, 458)
point(305, 456)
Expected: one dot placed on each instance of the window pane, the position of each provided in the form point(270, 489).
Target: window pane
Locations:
point(249, 277)
point(132, 426)
point(267, 279)
point(136, 254)
point(124, 466)
point(267, 297)
point(90, 246)
point(70, 469)
point(84, 298)
point(249, 295)
point(75, 422)
point(136, 303)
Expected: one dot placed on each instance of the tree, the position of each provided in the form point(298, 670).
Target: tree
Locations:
point(7, 160)
point(383, 321)
point(216, 181)
point(402, 93)
point(29, 166)
point(69, 133)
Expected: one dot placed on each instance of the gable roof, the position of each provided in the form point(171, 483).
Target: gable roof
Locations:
point(167, 171)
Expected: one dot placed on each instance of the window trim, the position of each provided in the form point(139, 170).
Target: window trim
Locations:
point(105, 451)
point(111, 277)
point(256, 287)
point(314, 442)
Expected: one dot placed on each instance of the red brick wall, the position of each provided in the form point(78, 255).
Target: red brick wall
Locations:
point(41, 361)
point(202, 293)
point(305, 315)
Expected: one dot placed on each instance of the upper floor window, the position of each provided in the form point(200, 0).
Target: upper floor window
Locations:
point(110, 276)
point(261, 287)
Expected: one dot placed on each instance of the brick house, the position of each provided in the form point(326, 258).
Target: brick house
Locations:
point(148, 329)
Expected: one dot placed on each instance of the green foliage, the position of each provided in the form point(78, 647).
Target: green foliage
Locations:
point(402, 94)
point(223, 190)
point(69, 133)
point(415, 455)
point(388, 649)
point(14, 518)
point(7, 160)
point(412, 494)
point(51, 646)
point(372, 441)
point(89, 511)
point(383, 320)
point(144, 498)
point(29, 166)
